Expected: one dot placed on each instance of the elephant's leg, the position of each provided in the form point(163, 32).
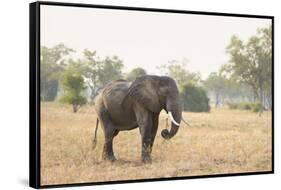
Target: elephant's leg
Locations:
point(144, 120)
point(109, 133)
point(146, 140)
point(155, 119)
point(108, 148)
point(108, 153)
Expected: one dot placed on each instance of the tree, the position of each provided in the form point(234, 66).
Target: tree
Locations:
point(111, 70)
point(216, 84)
point(194, 98)
point(222, 88)
point(99, 72)
point(73, 85)
point(137, 72)
point(51, 66)
point(91, 71)
point(251, 63)
point(177, 70)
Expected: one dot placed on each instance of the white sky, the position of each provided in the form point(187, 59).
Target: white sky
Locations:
point(146, 39)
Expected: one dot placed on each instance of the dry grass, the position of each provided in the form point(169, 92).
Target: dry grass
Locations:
point(223, 141)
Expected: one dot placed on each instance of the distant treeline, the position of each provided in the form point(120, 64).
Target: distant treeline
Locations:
point(246, 78)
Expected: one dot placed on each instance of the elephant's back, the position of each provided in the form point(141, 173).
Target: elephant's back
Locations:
point(111, 91)
point(113, 96)
point(115, 90)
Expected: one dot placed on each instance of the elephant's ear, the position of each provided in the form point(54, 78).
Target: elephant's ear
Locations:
point(144, 91)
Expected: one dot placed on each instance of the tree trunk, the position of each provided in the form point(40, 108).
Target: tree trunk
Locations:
point(217, 100)
point(75, 108)
point(255, 92)
point(261, 94)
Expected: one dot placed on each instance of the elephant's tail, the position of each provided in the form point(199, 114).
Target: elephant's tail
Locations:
point(95, 137)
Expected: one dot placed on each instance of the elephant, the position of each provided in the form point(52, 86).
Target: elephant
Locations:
point(123, 105)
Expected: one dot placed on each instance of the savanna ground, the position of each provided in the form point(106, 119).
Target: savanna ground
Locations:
point(219, 142)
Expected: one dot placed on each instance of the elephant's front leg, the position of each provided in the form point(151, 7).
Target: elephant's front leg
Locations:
point(146, 141)
point(144, 120)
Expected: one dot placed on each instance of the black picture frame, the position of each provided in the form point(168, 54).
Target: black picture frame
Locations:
point(34, 91)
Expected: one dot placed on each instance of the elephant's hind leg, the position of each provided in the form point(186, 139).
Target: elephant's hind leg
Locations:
point(109, 133)
point(107, 153)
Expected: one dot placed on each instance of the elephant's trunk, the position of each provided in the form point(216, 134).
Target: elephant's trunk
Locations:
point(174, 111)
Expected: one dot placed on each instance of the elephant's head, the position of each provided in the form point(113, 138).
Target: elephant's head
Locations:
point(156, 93)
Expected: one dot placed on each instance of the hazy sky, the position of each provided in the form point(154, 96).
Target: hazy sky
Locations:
point(146, 39)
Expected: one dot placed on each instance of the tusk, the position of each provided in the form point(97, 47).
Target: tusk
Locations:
point(172, 119)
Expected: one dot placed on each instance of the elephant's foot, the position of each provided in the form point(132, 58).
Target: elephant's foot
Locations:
point(110, 158)
point(146, 159)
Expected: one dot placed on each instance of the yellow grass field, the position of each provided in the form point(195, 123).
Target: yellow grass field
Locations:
point(222, 141)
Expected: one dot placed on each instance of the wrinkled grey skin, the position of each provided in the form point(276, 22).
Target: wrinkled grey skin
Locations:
point(122, 105)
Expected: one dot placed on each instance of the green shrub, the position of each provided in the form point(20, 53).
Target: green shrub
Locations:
point(194, 98)
point(232, 105)
point(73, 85)
point(254, 106)
point(257, 106)
point(245, 106)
